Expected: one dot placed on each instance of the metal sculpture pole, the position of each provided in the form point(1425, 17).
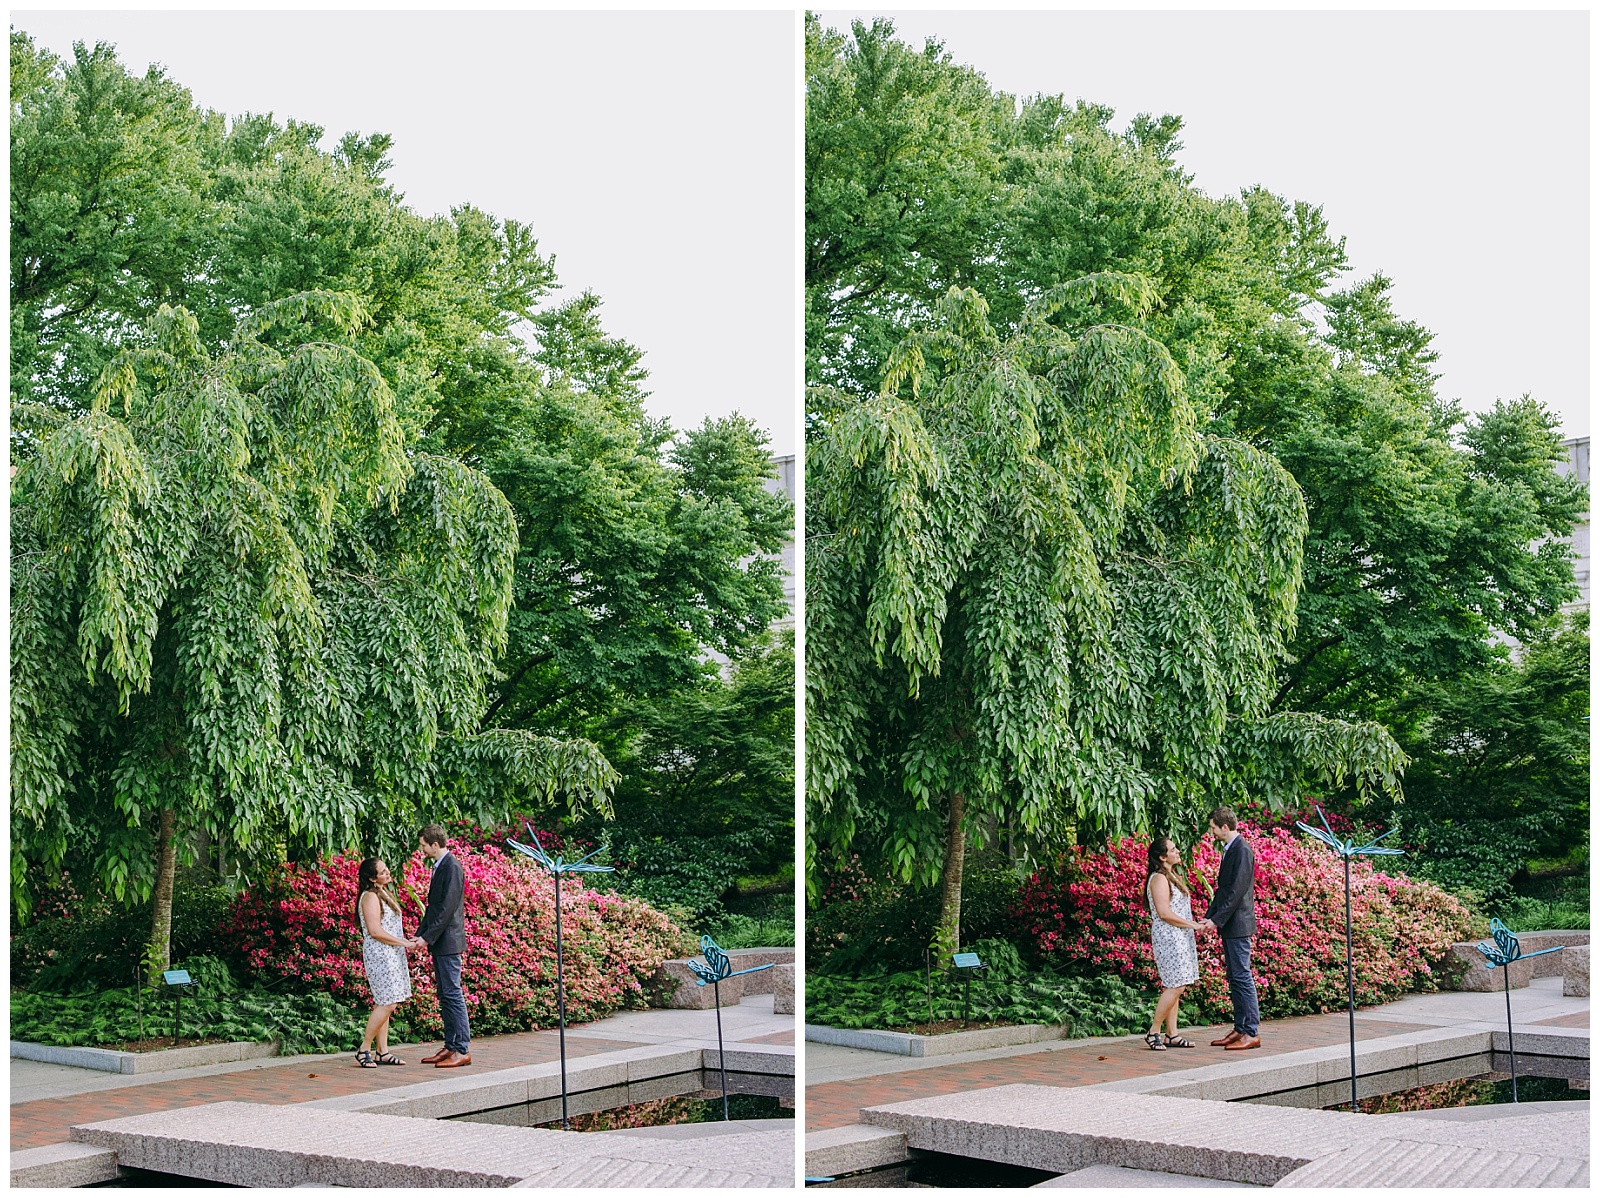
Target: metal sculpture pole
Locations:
point(1507, 948)
point(557, 867)
point(1346, 850)
point(717, 970)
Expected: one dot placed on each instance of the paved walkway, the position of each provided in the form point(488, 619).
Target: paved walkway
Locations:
point(46, 1100)
point(842, 1080)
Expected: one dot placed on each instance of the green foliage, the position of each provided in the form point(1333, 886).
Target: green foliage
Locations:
point(1501, 765)
point(1031, 582)
point(299, 1023)
point(75, 943)
point(634, 551)
point(867, 923)
point(1425, 532)
point(1539, 915)
point(1008, 992)
point(238, 597)
point(687, 876)
point(748, 931)
point(707, 778)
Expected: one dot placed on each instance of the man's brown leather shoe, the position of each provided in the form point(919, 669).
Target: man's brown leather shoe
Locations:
point(451, 1060)
point(1235, 1034)
point(434, 1056)
point(1244, 1042)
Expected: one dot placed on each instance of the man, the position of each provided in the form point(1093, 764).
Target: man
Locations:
point(443, 932)
point(1232, 912)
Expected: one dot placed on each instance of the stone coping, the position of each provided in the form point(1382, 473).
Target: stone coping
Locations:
point(1063, 1130)
point(61, 1166)
point(461, 1094)
point(111, 1061)
point(1476, 977)
point(677, 987)
point(255, 1144)
point(908, 1044)
point(865, 1146)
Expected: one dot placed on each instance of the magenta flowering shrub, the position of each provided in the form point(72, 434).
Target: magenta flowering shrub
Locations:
point(1092, 910)
point(300, 924)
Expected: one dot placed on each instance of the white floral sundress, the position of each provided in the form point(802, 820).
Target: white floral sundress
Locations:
point(1177, 959)
point(387, 972)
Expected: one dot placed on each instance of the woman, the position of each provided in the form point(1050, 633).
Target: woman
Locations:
point(1172, 930)
point(384, 953)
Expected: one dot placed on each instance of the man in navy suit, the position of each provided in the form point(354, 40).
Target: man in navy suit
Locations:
point(1232, 912)
point(443, 932)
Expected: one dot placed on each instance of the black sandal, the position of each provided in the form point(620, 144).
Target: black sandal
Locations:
point(1176, 1042)
point(1153, 1039)
point(364, 1059)
point(388, 1058)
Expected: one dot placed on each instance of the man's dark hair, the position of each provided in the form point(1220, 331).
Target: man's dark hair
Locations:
point(1223, 817)
point(434, 834)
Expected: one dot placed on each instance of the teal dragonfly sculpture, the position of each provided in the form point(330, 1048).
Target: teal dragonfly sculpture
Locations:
point(1506, 949)
point(715, 971)
point(1346, 849)
point(557, 867)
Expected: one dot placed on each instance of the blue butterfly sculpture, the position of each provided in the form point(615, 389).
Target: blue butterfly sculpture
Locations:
point(1506, 949)
point(719, 969)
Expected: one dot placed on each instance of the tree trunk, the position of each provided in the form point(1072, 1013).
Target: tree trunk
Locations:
point(947, 935)
point(158, 953)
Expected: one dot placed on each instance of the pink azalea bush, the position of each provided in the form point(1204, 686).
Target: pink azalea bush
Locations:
point(1092, 909)
point(299, 924)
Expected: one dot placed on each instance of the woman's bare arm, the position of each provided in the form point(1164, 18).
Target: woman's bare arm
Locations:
point(372, 916)
point(1161, 896)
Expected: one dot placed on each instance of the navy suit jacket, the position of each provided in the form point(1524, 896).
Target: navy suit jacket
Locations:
point(444, 924)
point(1233, 906)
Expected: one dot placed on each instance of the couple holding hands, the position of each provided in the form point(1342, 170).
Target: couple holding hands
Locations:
point(1231, 914)
point(383, 951)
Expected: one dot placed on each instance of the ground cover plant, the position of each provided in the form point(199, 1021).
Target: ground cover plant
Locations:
point(1009, 992)
point(1090, 908)
point(218, 1009)
point(298, 925)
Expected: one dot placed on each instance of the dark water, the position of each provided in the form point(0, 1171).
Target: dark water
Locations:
point(1483, 1079)
point(935, 1170)
point(691, 1097)
point(147, 1179)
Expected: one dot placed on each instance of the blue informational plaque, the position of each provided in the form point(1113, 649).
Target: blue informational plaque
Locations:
point(967, 961)
point(177, 977)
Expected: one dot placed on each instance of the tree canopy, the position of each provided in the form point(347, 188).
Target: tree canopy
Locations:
point(636, 548)
point(241, 605)
point(1038, 596)
point(1429, 535)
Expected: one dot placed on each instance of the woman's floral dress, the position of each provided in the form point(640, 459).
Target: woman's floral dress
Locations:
point(387, 972)
point(1177, 960)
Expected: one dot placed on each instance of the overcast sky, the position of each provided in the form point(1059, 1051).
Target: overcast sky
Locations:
point(653, 153)
point(1451, 149)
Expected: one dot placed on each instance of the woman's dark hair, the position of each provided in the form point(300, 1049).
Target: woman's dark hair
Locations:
point(367, 879)
point(1155, 865)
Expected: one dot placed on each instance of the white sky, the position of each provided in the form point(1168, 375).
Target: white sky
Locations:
point(653, 153)
point(1451, 149)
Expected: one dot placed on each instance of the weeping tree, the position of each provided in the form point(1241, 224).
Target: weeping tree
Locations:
point(1038, 598)
point(240, 607)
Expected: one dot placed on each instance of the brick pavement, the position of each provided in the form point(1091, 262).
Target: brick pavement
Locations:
point(46, 1121)
point(835, 1104)
point(1576, 1019)
point(771, 1038)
